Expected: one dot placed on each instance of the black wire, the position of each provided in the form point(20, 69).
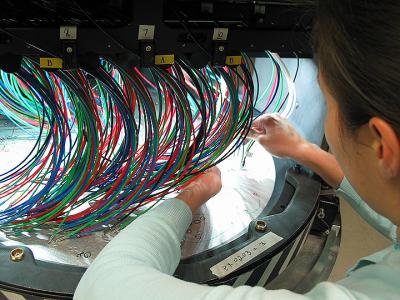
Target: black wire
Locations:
point(256, 74)
point(182, 22)
point(297, 67)
point(27, 43)
point(245, 128)
point(119, 44)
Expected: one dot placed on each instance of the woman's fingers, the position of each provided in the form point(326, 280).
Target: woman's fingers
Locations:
point(267, 121)
point(255, 132)
point(214, 169)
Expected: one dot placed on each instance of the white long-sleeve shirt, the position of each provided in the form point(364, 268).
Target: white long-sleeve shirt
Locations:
point(139, 261)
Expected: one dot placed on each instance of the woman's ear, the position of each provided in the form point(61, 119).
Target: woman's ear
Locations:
point(386, 144)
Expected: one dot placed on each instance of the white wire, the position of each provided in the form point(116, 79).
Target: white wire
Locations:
point(291, 100)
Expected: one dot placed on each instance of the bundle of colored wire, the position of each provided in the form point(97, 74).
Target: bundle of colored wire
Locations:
point(276, 85)
point(110, 141)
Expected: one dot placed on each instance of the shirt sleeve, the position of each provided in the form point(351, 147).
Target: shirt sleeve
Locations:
point(139, 261)
point(379, 222)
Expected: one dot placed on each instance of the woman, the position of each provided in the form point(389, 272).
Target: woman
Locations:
point(357, 45)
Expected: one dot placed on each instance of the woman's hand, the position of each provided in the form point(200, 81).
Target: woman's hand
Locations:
point(278, 136)
point(206, 185)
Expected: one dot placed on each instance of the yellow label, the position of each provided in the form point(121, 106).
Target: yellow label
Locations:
point(51, 63)
point(166, 59)
point(233, 60)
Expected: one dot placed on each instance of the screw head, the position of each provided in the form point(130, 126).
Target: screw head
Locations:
point(69, 49)
point(148, 48)
point(221, 48)
point(261, 225)
point(17, 254)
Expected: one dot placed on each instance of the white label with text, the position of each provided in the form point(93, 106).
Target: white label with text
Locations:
point(246, 254)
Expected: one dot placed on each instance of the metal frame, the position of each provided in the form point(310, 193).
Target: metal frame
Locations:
point(284, 29)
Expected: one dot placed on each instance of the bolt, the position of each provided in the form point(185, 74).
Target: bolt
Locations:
point(69, 49)
point(17, 254)
point(321, 213)
point(148, 48)
point(261, 225)
point(221, 48)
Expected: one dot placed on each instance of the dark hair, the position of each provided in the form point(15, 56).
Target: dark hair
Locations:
point(357, 47)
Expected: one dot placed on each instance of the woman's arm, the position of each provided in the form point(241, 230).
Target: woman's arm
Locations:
point(139, 261)
point(379, 222)
point(279, 138)
point(321, 162)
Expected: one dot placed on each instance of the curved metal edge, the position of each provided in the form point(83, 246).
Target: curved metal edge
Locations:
point(33, 277)
point(287, 224)
point(314, 262)
point(271, 269)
